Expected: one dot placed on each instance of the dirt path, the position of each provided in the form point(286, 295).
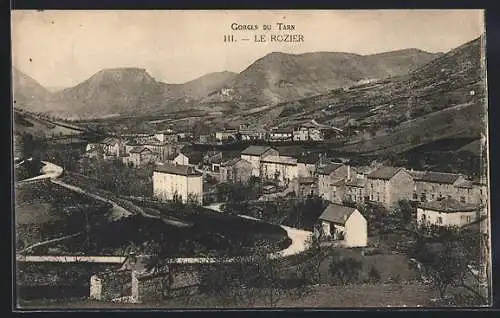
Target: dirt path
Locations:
point(299, 238)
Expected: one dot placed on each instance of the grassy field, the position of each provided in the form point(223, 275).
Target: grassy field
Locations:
point(46, 211)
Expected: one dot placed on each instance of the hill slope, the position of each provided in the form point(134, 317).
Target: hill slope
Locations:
point(444, 98)
point(279, 77)
point(28, 93)
point(275, 78)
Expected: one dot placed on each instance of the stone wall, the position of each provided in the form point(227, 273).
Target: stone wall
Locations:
point(110, 285)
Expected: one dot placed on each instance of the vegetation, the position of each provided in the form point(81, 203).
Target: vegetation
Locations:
point(446, 254)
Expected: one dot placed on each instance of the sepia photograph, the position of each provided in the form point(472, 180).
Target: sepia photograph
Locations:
point(246, 159)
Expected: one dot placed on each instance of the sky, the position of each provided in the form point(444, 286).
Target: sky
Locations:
point(64, 48)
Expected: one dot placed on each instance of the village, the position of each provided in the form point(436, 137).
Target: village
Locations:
point(351, 173)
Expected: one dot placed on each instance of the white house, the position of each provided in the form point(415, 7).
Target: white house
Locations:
point(344, 223)
point(170, 180)
point(447, 212)
point(281, 169)
point(254, 154)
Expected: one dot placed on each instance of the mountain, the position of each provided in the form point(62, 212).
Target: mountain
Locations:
point(280, 77)
point(275, 78)
point(200, 87)
point(442, 99)
point(28, 93)
point(130, 91)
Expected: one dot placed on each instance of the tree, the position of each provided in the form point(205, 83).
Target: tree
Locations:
point(445, 254)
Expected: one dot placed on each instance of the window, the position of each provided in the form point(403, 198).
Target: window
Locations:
point(432, 196)
point(422, 197)
point(439, 220)
point(415, 196)
point(423, 217)
point(462, 199)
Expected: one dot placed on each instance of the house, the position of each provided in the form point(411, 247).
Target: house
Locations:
point(346, 224)
point(167, 136)
point(430, 186)
point(248, 134)
point(111, 146)
point(161, 144)
point(280, 169)
point(188, 158)
point(281, 135)
point(329, 177)
point(235, 170)
point(301, 133)
point(140, 155)
point(225, 135)
point(182, 181)
point(212, 160)
point(355, 189)
point(307, 164)
point(93, 150)
point(447, 212)
point(305, 187)
point(254, 154)
point(389, 185)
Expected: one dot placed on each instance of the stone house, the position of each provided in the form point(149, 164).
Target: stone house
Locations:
point(280, 169)
point(254, 154)
point(355, 189)
point(307, 164)
point(329, 177)
point(281, 135)
point(447, 212)
point(389, 185)
point(111, 146)
point(430, 186)
point(188, 158)
point(305, 187)
point(235, 170)
point(139, 156)
point(301, 133)
point(184, 181)
point(225, 135)
point(345, 224)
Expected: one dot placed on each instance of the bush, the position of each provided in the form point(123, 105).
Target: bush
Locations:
point(345, 271)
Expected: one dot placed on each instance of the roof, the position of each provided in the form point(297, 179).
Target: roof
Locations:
point(337, 213)
point(110, 141)
point(449, 205)
point(325, 170)
point(234, 161)
point(255, 150)
point(436, 177)
point(467, 184)
point(306, 180)
point(311, 158)
point(176, 169)
point(356, 182)
point(280, 160)
point(194, 156)
point(384, 173)
point(139, 149)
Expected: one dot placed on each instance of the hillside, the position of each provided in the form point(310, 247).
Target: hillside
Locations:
point(28, 93)
point(279, 77)
point(200, 87)
point(444, 98)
